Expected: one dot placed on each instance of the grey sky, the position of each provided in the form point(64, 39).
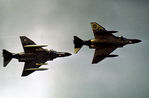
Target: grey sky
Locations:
point(55, 22)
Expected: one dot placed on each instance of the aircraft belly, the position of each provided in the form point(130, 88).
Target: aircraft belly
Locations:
point(103, 43)
point(27, 57)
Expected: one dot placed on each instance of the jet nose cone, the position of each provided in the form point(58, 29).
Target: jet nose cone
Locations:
point(67, 54)
point(134, 41)
point(138, 41)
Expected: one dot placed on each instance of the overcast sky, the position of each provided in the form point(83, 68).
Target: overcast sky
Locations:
point(55, 22)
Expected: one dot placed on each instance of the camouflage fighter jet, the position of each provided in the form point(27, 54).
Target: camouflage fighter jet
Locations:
point(104, 43)
point(34, 56)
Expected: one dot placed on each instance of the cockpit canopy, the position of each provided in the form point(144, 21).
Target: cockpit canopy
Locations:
point(122, 38)
point(52, 51)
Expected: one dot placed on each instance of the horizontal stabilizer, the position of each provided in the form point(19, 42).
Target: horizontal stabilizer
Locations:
point(35, 46)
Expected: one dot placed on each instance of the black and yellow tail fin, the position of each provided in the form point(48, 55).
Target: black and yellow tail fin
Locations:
point(7, 57)
point(78, 43)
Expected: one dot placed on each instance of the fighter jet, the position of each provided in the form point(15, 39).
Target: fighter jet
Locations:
point(34, 56)
point(104, 43)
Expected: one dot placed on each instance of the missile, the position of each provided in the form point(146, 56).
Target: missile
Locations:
point(108, 32)
point(36, 69)
point(35, 46)
point(108, 55)
point(41, 63)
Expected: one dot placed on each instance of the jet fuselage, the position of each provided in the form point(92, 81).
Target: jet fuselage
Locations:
point(49, 55)
point(117, 41)
point(104, 43)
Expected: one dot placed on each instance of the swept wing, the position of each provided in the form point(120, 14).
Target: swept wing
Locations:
point(30, 46)
point(101, 33)
point(31, 66)
point(102, 52)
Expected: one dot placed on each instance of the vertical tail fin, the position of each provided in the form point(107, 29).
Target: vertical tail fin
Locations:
point(7, 57)
point(78, 43)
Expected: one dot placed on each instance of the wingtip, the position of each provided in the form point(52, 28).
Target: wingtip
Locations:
point(94, 63)
point(22, 36)
point(92, 22)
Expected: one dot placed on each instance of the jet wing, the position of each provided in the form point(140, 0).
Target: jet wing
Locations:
point(30, 67)
point(97, 28)
point(99, 31)
point(101, 52)
point(29, 45)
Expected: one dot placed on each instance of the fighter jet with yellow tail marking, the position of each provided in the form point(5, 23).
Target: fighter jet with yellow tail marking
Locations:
point(104, 43)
